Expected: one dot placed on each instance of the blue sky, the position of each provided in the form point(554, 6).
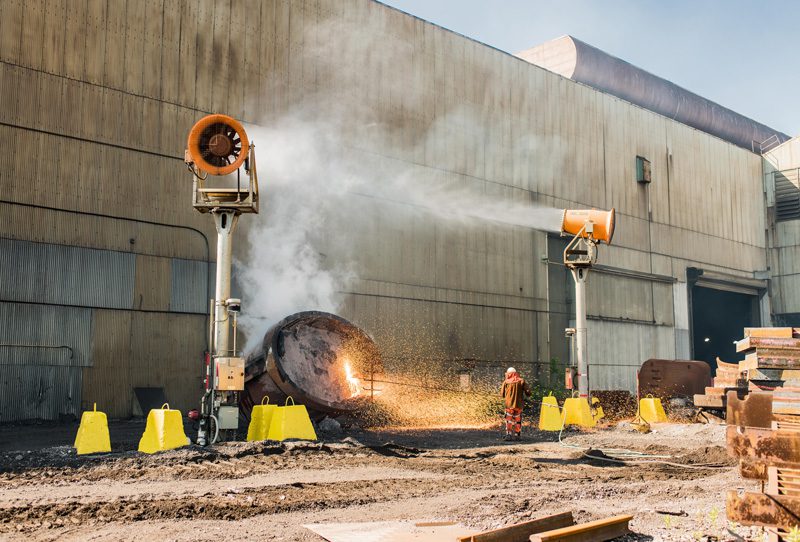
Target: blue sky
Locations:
point(742, 54)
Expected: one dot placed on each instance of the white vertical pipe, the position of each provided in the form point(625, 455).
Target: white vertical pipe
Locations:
point(579, 274)
point(225, 222)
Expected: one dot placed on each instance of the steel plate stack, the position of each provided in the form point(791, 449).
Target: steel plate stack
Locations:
point(764, 432)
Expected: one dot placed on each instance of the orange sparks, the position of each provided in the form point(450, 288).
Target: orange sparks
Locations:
point(352, 381)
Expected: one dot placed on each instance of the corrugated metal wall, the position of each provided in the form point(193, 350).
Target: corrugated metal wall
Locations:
point(618, 349)
point(43, 352)
point(64, 275)
point(783, 163)
point(192, 286)
point(68, 338)
point(101, 96)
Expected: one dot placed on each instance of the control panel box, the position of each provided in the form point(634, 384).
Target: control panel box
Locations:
point(228, 417)
point(230, 374)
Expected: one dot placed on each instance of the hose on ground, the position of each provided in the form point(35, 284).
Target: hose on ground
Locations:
point(623, 455)
point(216, 429)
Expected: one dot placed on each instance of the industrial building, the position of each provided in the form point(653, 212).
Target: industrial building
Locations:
point(104, 265)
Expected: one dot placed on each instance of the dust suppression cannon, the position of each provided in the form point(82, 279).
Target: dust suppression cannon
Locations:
point(218, 149)
point(588, 228)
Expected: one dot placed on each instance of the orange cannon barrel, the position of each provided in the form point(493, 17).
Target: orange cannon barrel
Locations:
point(574, 220)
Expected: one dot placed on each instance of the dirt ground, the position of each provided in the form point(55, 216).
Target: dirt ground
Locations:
point(267, 491)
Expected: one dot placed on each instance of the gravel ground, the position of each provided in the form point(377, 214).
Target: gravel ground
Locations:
point(267, 491)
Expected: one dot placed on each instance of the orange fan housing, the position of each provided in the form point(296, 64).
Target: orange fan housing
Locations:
point(573, 221)
point(218, 144)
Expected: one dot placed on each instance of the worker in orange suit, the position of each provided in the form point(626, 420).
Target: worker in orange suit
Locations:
point(514, 390)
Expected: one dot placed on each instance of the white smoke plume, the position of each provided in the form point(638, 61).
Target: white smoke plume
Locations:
point(315, 195)
point(335, 172)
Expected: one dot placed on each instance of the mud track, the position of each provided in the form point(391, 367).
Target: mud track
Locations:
point(269, 490)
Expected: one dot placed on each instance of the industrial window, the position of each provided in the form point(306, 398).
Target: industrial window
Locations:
point(787, 196)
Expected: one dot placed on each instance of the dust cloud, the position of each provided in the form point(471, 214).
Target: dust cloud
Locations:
point(338, 172)
point(317, 197)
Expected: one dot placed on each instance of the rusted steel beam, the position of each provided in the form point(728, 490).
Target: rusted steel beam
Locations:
point(787, 423)
point(722, 390)
point(770, 359)
point(749, 343)
point(766, 445)
point(770, 332)
point(727, 367)
point(786, 400)
point(776, 535)
point(783, 480)
point(710, 401)
point(593, 531)
point(756, 469)
point(753, 410)
point(762, 373)
point(673, 377)
point(520, 532)
point(752, 469)
point(763, 510)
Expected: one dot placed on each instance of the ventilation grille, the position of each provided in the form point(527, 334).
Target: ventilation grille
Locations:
point(787, 196)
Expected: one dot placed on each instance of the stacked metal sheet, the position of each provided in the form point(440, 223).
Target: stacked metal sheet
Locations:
point(764, 432)
point(728, 377)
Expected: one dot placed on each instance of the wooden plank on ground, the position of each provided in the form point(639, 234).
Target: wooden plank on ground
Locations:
point(593, 531)
point(520, 532)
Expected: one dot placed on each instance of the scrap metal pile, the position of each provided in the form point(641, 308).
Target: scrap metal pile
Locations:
point(728, 377)
point(764, 431)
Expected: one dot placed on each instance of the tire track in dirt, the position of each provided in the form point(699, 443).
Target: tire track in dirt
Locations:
point(231, 506)
point(241, 504)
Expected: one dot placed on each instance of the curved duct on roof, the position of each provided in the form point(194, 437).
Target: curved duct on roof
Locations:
point(589, 65)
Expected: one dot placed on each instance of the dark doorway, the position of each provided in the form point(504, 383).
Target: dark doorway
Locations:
point(718, 319)
point(561, 307)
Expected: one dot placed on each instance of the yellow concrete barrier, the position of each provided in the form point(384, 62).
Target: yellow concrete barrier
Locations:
point(291, 422)
point(164, 431)
point(651, 410)
point(550, 416)
point(260, 421)
point(577, 412)
point(92, 434)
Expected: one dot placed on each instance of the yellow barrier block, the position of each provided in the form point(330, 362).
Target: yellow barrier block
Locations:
point(164, 431)
point(550, 416)
point(291, 422)
point(92, 434)
point(598, 409)
point(651, 410)
point(577, 412)
point(260, 421)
